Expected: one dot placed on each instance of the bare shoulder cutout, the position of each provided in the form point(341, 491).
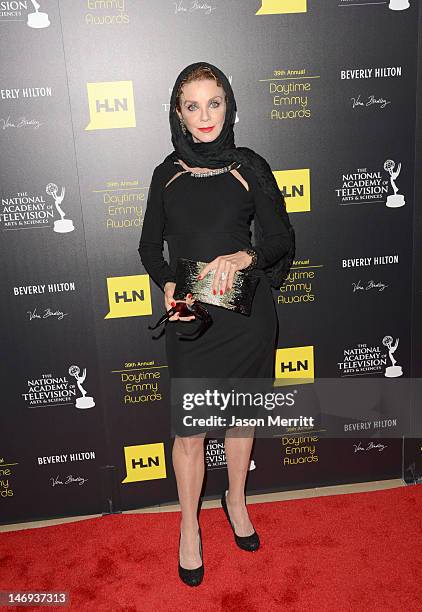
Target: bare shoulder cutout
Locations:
point(175, 177)
point(240, 179)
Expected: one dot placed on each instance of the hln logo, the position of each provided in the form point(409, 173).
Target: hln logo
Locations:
point(145, 462)
point(295, 185)
point(129, 296)
point(136, 295)
point(296, 362)
point(278, 7)
point(111, 105)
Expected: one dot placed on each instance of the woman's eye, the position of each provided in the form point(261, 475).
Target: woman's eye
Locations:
point(193, 106)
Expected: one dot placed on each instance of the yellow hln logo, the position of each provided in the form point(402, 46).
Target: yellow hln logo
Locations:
point(145, 462)
point(278, 7)
point(111, 105)
point(129, 296)
point(295, 362)
point(296, 188)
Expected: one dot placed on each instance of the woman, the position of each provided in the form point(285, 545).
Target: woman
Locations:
point(202, 199)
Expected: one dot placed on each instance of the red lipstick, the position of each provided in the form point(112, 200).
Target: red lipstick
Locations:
point(207, 129)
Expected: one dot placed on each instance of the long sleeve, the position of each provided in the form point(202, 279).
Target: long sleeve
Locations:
point(151, 242)
point(276, 237)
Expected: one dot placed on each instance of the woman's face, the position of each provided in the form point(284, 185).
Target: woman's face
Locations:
point(203, 105)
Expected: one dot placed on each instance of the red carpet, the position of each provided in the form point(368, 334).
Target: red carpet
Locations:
point(351, 552)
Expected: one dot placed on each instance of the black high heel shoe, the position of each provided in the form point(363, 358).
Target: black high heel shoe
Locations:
point(251, 542)
point(192, 577)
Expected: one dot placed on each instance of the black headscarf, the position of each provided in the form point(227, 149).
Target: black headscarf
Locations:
point(221, 152)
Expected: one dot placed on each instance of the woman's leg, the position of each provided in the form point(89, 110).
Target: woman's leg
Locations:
point(189, 468)
point(238, 452)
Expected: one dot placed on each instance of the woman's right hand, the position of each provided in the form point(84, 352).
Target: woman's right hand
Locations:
point(169, 302)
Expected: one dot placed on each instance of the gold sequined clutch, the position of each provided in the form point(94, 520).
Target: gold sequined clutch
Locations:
point(239, 298)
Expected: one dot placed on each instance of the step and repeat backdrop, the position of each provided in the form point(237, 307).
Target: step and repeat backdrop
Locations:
point(327, 92)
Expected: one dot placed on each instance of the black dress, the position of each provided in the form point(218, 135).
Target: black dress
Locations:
point(201, 218)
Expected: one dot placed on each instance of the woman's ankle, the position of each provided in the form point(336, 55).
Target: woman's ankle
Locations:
point(189, 526)
point(237, 500)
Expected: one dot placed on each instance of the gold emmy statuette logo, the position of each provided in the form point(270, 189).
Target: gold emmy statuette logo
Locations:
point(129, 296)
point(278, 7)
point(296, 184)
point(145, 462)
point(111, 105)
point(295, 364)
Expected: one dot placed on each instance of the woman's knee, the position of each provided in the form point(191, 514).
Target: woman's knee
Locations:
point(241, 431)
point(190, 445)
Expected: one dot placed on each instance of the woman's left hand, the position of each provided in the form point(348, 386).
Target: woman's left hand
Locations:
point(229, 264)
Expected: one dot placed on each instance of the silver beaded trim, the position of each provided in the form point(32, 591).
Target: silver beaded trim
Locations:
point(254, 260)
point(214, 171)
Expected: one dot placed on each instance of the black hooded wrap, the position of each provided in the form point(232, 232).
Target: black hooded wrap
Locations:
point(221, 152)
